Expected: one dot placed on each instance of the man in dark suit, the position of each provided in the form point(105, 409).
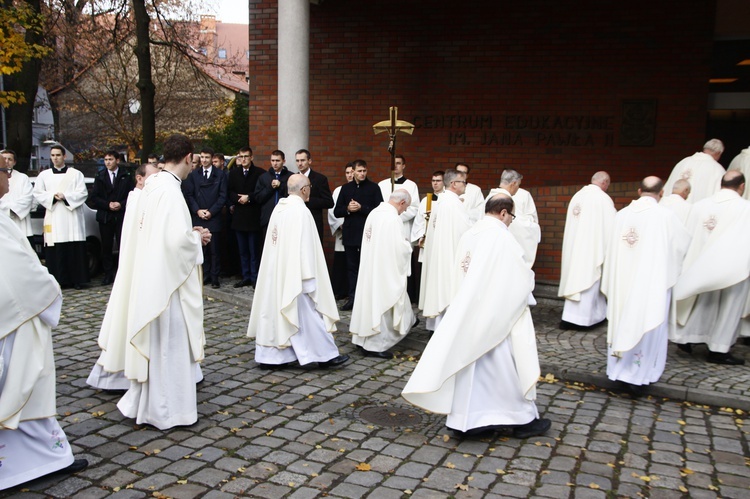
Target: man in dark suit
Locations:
point(356, 200)
point(206, 193)
point(245, 214)
point(108, 197)
point(320, 192)
point(270, 188)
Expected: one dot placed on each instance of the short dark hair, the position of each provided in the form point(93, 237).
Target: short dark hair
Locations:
point(468, 168)
point(8, 151)
point(305, 152)
point(350, 164)
point(276, 152)
point(141, 169)
point(112, 153)
point(218, 155)
point(401, 156)
point(152, 156)
point(176, 147)
point(438, 172)
point(58, 146)
point(359, 162)
point(498, 203)
point(207, 150)
point(246, 149)
point(733, 182)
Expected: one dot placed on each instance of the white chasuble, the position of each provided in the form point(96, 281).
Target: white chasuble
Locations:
point(381, 286)
point(677, 205)
point(525, 227)
point(478, 320)
point(740, 162)
point(702, 171)
point(19, 201)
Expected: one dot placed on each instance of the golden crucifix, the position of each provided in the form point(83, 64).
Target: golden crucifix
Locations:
point(393, 126)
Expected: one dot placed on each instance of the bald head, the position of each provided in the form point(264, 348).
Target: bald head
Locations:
point(296, 186)
point(601, 179)
point(651, 187)
point(734, 180)
point(681, 188)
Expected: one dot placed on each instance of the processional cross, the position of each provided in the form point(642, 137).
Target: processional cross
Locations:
point(393, 126)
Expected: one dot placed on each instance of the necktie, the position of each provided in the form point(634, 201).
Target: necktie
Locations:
point(205, 174)
point(113, 178)
point(244, 172)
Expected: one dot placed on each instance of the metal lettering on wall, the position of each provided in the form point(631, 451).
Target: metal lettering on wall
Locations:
point(638, 122)
point(522, 130)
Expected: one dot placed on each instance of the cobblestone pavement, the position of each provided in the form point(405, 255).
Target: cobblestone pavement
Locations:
point(304, 433)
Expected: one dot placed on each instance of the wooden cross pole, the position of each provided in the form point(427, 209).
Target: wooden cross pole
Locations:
point(393, 126)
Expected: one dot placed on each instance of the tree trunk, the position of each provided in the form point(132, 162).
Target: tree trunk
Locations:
point(145, 83)
point(19, 117)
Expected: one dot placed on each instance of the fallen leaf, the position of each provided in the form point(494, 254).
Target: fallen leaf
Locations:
point(363, 467)
point(182, 482)
point(446, 438)
point(461, 486)
point(592, 485)
point(450, 465)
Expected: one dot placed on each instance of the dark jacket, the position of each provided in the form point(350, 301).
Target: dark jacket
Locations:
point(246, 216)
point(320, 198)
point(104, 193)
point(265, 195)
point(202, 194)
point(367, 194)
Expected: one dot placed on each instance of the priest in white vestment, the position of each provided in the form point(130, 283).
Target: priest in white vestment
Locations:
point(62, 191)
point(712, 292)
point(472, 197)
point(19, 202)
point(525, 227)
point(741, 162)
point(677, 201)
point(702, 170)
point(294, 312)
point(448, 221)
point(382, 314)
point(164, 336)
point(481, 365)
point(644, 259)
point(32, 443)
point(588, 226)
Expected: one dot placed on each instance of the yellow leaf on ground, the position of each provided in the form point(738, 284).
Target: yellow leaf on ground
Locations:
point(363, 467)
point(182, 482)
point(450, 465)
point(592, 485)
point(461, 486)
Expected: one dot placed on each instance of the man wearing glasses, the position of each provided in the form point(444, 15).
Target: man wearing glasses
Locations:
point(294, 312)
point(245, 215)
point(19, 201)
point(448, 222)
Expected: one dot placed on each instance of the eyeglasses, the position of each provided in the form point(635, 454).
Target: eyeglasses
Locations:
point(459, 182)
point(512, 216)
point(8, 171)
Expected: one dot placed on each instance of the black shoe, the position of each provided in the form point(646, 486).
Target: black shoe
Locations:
point(635, 391)
point(334, 362)
point(685, 347)
point(745, 341)
point(78, 465)
point(483, 431)
point(348, 305)
point(726, 359)
point(416, 322)
point(535, 428)
point(243, 283)
point(379, 355)
point(107, 280)
point(215, 284)
point(274, 367)
point(206, 279)
point(569, 326)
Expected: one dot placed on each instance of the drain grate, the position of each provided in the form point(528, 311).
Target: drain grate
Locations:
point(384, 415)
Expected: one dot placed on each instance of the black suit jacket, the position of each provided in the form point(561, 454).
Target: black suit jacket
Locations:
point(104, 193)
point(320, 198)
point(202, 194)
point(265, 195)
point(246, 217)
point(367, 194)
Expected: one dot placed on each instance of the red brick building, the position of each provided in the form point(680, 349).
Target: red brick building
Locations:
point(556, 90)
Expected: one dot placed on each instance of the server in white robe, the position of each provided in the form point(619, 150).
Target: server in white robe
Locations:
point(702, 170)
point(712, 291)
point(19, 202)
point(481, 365)
point(472, 197)
point(164, 336)
point(588, 226)
point(677, 201)
point(741, 162)
point(401, 182)
point(32, 444)
point(644, 259)
point(294, 312)
point(108, 371)
point(448, 221)
point(62, 192)
point(420, 221)
point(525, 227)
point(339, 277)
point(382, 314)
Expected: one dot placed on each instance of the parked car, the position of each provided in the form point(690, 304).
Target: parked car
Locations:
point(93, 239)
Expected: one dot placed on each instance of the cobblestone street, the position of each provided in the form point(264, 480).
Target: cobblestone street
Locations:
point(304, 433)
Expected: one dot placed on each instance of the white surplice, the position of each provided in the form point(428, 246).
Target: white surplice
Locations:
point(740, 162)
point(481, 365)
point(165, 335)
point(294, 311)
point(19, 201)
point(473, 200)
point(32, 444)
point(702, 171)
point(407, 217)
point(63, 221)
point(448, 221)
point(588, 226)
point(677, 205)
point(644, 259)
point(336, 223)
point(525, 227)
point(419, 226)
point(712, 290)
point(382, 314)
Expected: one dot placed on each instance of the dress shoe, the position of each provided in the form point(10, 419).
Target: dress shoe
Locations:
point(726, 359)
point(334, 362)
point(206, 279)
point(685, 347)
point(243, 283)
point(483, 431)
point(635, 391)
point(348, 305)
point(274, 367)
point(416, 322)
point(379, 355)
point(215, 284)
point(78, 465)
point(535, 428)
point(107, 280)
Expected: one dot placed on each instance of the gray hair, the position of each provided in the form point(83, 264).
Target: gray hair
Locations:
point(510, 176)
point(451, 175)
point(400, 195)
point(714, 145)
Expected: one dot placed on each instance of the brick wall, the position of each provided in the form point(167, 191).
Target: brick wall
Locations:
point(556, 90)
